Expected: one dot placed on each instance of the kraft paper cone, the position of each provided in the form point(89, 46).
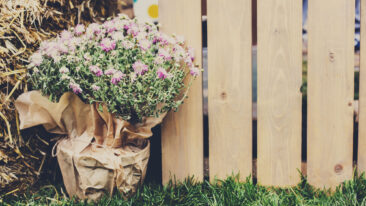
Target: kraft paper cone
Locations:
point(101, 153)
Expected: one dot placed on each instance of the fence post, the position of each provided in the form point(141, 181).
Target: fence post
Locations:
point(182, 132)
point(279, 96)
point(230, 88)
point(361, 161)
point(330, 91)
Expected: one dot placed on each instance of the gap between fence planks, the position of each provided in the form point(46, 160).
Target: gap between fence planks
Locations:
point(182, 132)
point(361, 161)
point(330, 91)
point(230, 88)
point(279, 96)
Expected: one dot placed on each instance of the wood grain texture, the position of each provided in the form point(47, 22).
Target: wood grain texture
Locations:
point(229, 88)
point(330, 91)
point(182, 132)
point(361, 162)
point(279, 97)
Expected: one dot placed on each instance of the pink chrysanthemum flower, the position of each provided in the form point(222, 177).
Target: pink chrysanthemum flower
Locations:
point(194, 71)
point(191, 53)
point(158, 60)
point(62, 48)
point(140, 68)
point(117, 77)
point(43, 46)
point(93, 29)
point(50, 48)
point(96, 70)
point(66, 35)
point(178, 53)
point(141, 36)
point(165, 54)
point(79, 29)
point(107, 44)
point(127, 44)
point(126, 26)
point(74, 42)
point(119, 24)
point(55, 56)
point(161, 38)
point(162, 73)
point(36, 59)
point(110, 26)
point(87, 57)
point(110, 71)
point(188, 61)
point(75, 88)
point(95, 87)
point(144, 44)
point(133, 29)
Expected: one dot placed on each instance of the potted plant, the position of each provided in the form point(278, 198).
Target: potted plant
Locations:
point(105, 86)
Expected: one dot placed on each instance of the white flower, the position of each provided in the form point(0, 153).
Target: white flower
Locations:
point(64, 77)
point(35, 70)
point(141, 36)
point(79, 29)
point(70, 58)
point(159, 60)
point(117, 36)
point(56, 58)
point(36, 59)
point(64, 70)
point(87, 57)
point(95, 87)
point(145, 44)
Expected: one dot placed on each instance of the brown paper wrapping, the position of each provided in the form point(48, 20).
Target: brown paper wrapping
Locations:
point(101, 152)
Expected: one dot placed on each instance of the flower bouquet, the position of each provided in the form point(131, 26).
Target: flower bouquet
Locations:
point(105, 86)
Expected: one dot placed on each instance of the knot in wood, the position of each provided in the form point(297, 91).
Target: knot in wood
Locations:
point(331, 56)
point(223, 95)
point(338, 168)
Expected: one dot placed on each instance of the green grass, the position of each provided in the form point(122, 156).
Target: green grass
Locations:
point(227, 192)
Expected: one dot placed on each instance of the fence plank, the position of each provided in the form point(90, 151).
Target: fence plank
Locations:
point(182, 132)
point(230, 88)
point(279, 97)
point(330, 91)
point(361, 162)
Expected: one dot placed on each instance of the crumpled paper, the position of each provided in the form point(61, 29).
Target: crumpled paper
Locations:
point(101, 152)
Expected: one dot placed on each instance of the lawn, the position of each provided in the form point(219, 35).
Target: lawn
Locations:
point(226, 192)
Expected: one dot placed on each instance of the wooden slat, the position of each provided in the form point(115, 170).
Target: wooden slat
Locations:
point(182, 132)
point(279, 98)
point(361, 162)
point(229, 88)
point(330, 91)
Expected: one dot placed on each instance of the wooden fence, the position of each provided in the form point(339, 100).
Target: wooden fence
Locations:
point(279, 58)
